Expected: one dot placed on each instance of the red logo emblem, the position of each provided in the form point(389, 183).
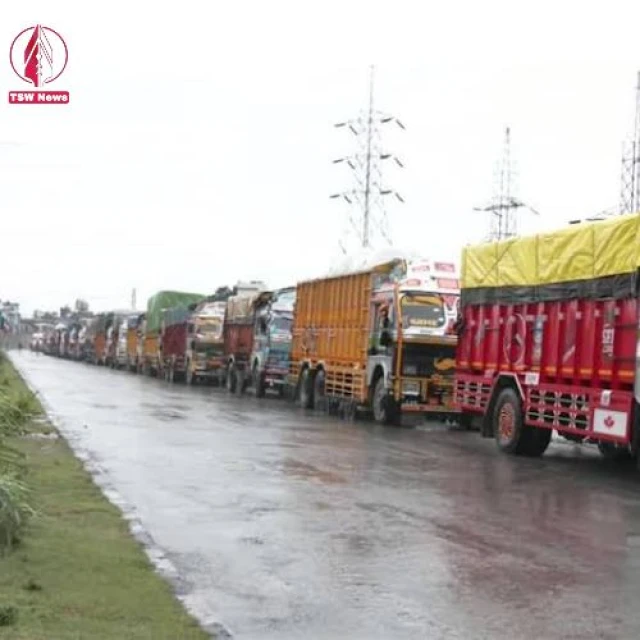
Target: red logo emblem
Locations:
point(609, 422)
point(38, 56)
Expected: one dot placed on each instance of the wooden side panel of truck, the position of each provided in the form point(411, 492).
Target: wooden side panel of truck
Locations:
point(150, 355)
point(238, 341)
point(174, 341)
point(99, 346)
point(331, 328)
point(132, 344)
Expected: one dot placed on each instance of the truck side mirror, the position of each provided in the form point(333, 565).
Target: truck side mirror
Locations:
point(385, 337)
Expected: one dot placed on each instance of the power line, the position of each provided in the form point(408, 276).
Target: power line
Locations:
point(368, 193)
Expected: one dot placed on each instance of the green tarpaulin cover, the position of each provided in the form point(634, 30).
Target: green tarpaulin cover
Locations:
point(166, 300)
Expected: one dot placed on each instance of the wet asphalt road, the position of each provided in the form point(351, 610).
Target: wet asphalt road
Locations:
point(287, 525)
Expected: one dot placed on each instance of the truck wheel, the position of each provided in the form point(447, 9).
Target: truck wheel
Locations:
point(258, 383)
point(232, 379)
point(305, 390)
point(511, 434)
point(535, 442)
point(241, 385)
point(611, 451)
point(319, 396)
point(385, 409)
point(508, 427)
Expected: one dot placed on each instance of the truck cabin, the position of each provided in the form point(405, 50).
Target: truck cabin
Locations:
point(273, 322)
point(414, 327)
point(205, 332)
point(422, 313)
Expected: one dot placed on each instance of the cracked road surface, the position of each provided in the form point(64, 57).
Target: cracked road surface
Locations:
point(287, 525)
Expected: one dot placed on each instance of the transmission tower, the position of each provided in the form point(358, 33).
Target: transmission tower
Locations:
point(503, 220)
point(630, 175)
point(366, 199)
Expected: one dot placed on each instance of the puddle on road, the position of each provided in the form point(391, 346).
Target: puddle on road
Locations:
point(99, 405)
point(167, 415)
point(303, 470)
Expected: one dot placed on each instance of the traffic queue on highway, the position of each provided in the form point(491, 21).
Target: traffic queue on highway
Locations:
point(535, 335)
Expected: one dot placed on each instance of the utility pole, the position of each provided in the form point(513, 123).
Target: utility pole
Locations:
point(133, 299)
point(368, 193)
point(630, 175)
point(503, 221)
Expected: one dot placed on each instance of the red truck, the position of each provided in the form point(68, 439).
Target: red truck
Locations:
point(548, 338)
point(238, 333)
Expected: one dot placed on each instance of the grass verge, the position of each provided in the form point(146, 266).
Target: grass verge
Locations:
point(77, 572)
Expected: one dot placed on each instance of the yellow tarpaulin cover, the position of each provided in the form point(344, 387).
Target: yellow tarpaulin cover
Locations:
point(580, 252)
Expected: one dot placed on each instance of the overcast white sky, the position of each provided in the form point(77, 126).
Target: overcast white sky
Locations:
point(197, 147)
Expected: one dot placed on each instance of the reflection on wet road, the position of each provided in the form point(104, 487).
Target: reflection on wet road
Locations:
point(287, 525)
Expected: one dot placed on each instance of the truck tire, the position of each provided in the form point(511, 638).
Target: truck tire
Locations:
point(232, 379)
point(611, 451)
point(511, 434)
point(242, 381)
point(536, 442)
point(259, 383)
point(508, 427)
point(305, 390)
point(319, 395)
point(385, 409)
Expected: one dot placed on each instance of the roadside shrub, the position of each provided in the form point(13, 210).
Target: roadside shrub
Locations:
point(8, 616)
point(16, 410)
point(14, 509)
point(11, 460)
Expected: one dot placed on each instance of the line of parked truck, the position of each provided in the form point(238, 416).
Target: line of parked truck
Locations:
point(539, 334)
point(380, 339)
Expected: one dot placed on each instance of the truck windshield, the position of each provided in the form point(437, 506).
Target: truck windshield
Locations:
point(422, 311)
point(280, 324)
point(210, 329)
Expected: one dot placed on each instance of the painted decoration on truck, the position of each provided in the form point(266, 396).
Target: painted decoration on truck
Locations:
point(538, 334)
point(611, 423)
point(514, 339)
